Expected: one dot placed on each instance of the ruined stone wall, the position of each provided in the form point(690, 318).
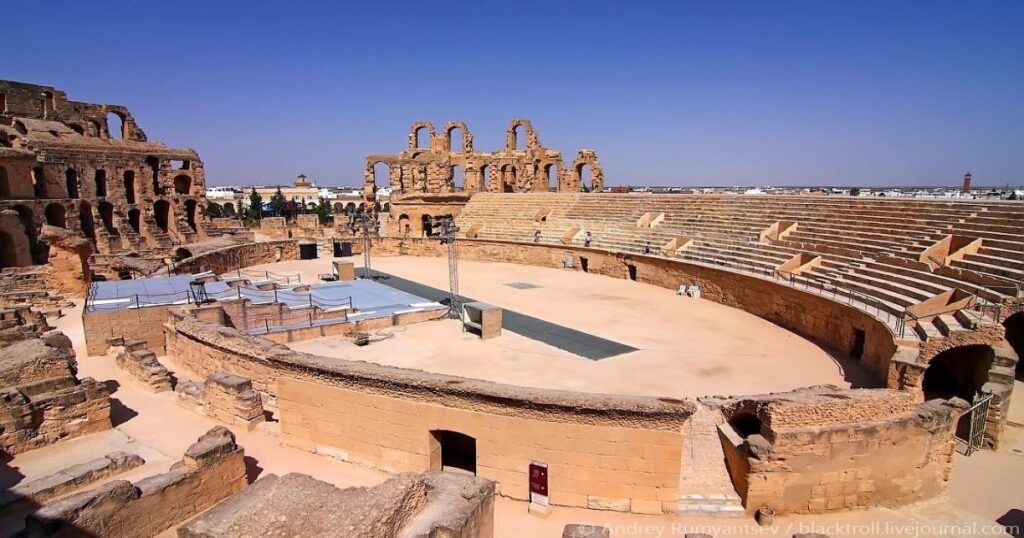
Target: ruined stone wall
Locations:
point(523, 165)
point(63, 163)
point(212, 468)
point(42, 401)
point(229, 259)
point(825, 449)
point(133, 323)
point(608, 452)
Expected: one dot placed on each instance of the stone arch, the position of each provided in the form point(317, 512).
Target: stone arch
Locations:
point(513, 136)
point(39, 181)
point(56, 215)
point(71, 182)
point(5, 185)
point(452, 451)
point(153, 164)
point(339, 207)
point(465, 145)
point(586, 159)
point(228, 209)
point(86, 220)
point(350, 208)
point(116, 123)
point(182, 184)
point(40, 251)
point(380, 171)
point(458, 177)
point(552, 174)
point(404, 224)
point(130, 193)
point(414, 133)
point(190, 213)
point(8, 254)
point(486, 171)
point(958, 372)
point(100, 181)
point(135, 220)
point(386, 208)
point(508, 178)
point(746, 424)
point(107, 216)
point(162, 214)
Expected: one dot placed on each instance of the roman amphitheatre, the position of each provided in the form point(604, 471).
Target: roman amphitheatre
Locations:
point(516, 352)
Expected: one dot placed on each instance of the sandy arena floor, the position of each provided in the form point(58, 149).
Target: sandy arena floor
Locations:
point(686, 347)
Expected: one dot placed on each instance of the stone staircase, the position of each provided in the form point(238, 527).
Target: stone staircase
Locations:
point(705, 489)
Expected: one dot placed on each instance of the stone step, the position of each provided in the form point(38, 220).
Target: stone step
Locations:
point(712, 510)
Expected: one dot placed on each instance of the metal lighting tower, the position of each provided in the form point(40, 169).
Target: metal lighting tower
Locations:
point(448, 231)
point(366, 245)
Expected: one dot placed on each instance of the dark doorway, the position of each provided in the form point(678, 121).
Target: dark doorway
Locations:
point(107, 217)
point(632, 272)
point(190, 213)
point(134, 216)
point(161, 211)
point(584, 264)
point(56, 215)
point(8, 257)
point(129, 186)
point(101, 183)
point(457, 451)
point(71, 182)
point(857, 349)
point(87, 222)
point(746, 424)
point(959, 372)
point(1014, 326)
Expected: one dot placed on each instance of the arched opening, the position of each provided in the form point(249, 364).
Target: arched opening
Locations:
point(101, 183)
point(422, 137)
point(519, 137)
point(427, 225)
point(56, 215)
point(153, 164)
point(129, 186)
point(214, 211)
point(48, 104)
point(485, 171)
point(38, 182)
point(8, 257)
point(381, 174)
point(1014, 326)
point(452, 451)
point(181, 253)
point(455, 140)
point(386, 208)
point(107, 217)
point(404, 226)
point(86, 220)
point(350, 208)
point(161, 212)
point(458, 178)
point(958, 372)
point(115, 126)
point(551, 172)
point(5, 186)
point(182, 184)
point(190, 213)
point(40, 252)
point(229, 209)
point(71, 182)
point(746, 424)
point(134, 219)
point(508, 178)
point(584, 173)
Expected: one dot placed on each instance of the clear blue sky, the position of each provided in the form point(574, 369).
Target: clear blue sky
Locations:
point(674, 92)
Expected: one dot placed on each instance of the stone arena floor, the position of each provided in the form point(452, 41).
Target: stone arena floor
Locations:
point(685, 347)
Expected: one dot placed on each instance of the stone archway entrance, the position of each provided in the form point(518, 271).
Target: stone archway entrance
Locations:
point(452, 451)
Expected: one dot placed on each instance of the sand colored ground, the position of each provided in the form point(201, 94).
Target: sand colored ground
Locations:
point(983, 488)
point(686, 347)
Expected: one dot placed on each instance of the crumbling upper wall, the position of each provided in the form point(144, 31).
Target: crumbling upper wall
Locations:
point(523, 165)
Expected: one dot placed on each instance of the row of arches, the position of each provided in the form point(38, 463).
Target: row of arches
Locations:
point(519, 136)
point(73, 184)
point(506, 175)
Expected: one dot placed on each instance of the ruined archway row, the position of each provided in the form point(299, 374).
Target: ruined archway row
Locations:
point(89, 168)
point(445, 161)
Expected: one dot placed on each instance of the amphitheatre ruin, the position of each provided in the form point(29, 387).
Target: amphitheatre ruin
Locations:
point(512, 353)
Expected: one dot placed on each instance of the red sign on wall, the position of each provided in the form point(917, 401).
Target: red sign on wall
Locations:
point(539, 483)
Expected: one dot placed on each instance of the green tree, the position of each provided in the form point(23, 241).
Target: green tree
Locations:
point(213, 211)
point(855, 191)
point(255, 210)
point(323, 211)
point(278, 203)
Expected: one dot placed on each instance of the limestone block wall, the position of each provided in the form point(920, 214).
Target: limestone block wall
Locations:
point(231, 258)
point(608, 452)
point(211, 469)
point(134, 323)
point(274, 227)
point(823, 449)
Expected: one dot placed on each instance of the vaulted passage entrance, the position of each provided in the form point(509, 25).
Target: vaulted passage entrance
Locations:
point(452, 451)
point(959, 372)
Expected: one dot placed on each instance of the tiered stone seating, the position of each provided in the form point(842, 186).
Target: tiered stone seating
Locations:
point(876, 253)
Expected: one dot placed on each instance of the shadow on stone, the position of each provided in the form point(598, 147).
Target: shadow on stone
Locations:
point(120, 413)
